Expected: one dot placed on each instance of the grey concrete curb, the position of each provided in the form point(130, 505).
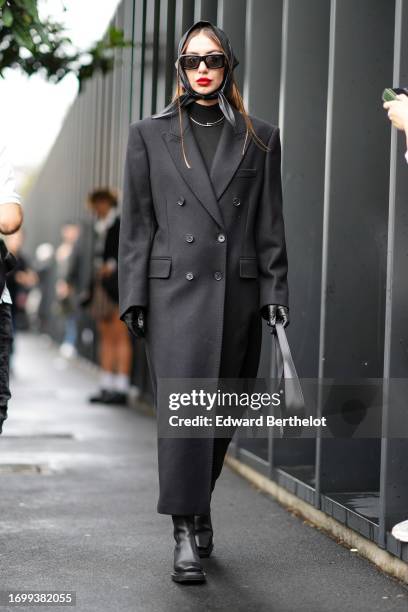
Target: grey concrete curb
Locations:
point(349, 538)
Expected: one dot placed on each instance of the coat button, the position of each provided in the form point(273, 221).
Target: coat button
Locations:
point(217, 276)
point(180, 201)
point(189, 238)
point(236, 201)
point(221, 238)
point(189, 276)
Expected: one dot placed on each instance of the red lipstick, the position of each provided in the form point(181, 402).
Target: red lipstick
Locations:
point(203, 81)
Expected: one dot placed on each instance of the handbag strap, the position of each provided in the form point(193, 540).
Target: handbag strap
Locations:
point(288, 363)
point(294, 395)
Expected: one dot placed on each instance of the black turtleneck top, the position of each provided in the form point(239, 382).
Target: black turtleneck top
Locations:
point(207, 137)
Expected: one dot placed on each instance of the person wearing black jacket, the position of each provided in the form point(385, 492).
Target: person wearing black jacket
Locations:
point(115, 351)
point(11, 218)
point(202, 258)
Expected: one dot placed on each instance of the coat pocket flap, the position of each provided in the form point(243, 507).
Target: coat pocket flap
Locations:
point(159, 267)
point(246, 172)
point(248, 267)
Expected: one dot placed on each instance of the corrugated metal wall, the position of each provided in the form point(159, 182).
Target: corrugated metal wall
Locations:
point(317, 68)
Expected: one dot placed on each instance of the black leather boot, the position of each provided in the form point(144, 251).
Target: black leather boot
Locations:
point(203, 534)
point(187, 565)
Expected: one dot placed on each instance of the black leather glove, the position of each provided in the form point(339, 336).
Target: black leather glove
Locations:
point(135, 320)
point(274, 313)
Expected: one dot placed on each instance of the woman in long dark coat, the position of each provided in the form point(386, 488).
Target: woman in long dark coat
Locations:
point(202, 256)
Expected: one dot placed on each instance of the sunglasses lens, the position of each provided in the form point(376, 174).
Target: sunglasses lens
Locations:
point(215, 61)
point(190, 62)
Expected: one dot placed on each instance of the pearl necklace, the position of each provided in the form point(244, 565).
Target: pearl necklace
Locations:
point(208, 124)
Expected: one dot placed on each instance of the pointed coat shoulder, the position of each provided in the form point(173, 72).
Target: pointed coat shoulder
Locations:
point(263, 129)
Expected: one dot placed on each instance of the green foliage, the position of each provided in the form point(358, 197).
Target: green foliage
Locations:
point(42, 46)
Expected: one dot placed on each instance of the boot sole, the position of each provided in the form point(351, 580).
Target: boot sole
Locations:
point(188, 577)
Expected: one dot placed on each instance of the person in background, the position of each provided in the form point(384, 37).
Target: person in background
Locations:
point(20, 281)
point(11, 218)
point(398, 115)
point(44, 261)
point(115, 349)
point(63, 290)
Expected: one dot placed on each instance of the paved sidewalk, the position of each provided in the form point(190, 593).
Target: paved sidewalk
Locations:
point(81, 515)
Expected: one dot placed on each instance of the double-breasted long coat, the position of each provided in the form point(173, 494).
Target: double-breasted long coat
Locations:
point(203, 252)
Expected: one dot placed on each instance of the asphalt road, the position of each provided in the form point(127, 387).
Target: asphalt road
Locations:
point(78, 513)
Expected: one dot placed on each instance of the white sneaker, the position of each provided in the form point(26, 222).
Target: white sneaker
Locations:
point(400, 531)
point(134, 392)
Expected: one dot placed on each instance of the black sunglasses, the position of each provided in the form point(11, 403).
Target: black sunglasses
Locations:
point(212, 60)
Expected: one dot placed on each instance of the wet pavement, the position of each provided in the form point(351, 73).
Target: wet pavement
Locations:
point(78, 506)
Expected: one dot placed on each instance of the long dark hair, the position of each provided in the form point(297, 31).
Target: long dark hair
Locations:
point(233, 96)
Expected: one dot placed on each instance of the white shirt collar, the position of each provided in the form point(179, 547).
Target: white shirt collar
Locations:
point(101, 225)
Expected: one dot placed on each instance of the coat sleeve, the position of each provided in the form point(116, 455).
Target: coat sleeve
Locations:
point(136, 227)
point(270, 231)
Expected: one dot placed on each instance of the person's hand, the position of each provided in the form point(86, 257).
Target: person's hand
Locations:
point(275, 313)
point(26, 278)
point(62, 289)
point(398, 112)
point(135, 320)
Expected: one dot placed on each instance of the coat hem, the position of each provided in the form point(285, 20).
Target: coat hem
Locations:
point(183, 511)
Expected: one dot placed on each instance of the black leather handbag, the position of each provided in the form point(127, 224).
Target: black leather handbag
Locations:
point(284, 374)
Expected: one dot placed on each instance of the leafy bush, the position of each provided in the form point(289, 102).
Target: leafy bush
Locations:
point(43, 47)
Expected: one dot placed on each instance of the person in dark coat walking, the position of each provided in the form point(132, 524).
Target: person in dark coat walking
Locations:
point(101, 299)
point(202, 257)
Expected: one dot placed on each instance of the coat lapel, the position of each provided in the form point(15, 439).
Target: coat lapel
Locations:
point(228, 155)
point(207, 188)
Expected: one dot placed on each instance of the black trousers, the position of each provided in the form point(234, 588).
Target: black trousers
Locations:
point(6, 338)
